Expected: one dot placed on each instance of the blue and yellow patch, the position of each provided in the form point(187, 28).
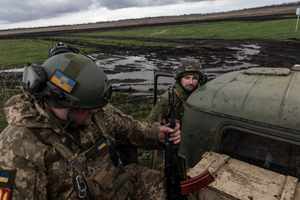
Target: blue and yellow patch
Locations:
point(4, 177)
point(4, 192)
point(96, 150)
point(63, 81)
point(101, 145)
point(7, 182)
point(158, 103)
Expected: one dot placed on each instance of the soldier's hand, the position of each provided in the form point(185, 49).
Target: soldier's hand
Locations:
point(174, 136)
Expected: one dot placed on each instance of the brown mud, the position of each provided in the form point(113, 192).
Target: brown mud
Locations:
point(223, 57)
point(216, 56)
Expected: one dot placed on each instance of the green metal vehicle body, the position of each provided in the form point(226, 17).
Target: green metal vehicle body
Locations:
point(251, 115)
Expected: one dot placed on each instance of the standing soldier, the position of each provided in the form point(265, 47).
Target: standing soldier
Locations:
point(188, 76)
point(62, 137)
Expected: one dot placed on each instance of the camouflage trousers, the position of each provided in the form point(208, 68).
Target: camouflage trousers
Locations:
point(151, 183)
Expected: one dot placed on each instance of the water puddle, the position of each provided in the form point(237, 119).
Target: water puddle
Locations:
point(241, 62)
point(136, 73)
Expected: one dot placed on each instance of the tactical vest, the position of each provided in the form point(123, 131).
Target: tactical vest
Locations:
point(97, 170)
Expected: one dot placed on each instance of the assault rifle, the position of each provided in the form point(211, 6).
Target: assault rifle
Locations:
point(172, 170)
point(177, 189)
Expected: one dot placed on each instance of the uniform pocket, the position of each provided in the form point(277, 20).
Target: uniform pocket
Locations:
point(100, 184)
point(125, 187)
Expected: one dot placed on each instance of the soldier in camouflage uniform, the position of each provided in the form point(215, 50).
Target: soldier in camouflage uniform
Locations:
point(62, 133)
point(188, 75)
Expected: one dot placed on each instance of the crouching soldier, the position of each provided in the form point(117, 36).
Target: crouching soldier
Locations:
point(62, 137)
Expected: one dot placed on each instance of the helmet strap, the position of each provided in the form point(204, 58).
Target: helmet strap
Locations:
point(54, 119)
point(63, 133)
point(69, 116)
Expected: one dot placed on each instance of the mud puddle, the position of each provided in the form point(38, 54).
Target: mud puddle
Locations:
point(136, 73)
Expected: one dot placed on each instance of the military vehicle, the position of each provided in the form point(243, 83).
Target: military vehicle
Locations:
point(244, 128)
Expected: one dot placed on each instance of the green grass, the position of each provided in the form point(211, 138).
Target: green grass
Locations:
point(3, 122)
point(5, 94)
point(116, 42)
point(128, 104)
point(271, 30)
point(145, 159)
point(15, 53)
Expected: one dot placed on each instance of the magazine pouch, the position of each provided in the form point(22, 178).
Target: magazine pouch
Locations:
point(125, 187)
point(100, 184)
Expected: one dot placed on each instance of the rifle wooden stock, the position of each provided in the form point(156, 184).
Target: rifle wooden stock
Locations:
point(154, 153)
point(154, 157)
point(196, 183)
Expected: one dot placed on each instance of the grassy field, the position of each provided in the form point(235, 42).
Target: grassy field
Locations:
point(15, 53)
point(271, 30)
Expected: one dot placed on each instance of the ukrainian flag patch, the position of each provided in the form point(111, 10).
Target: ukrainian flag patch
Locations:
point(100, 145)
point(63, 81)
point(4, 177)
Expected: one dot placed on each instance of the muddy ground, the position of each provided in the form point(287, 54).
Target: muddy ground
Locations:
point(229, 55)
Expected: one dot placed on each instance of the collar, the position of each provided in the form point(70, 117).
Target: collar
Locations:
point(181, 92)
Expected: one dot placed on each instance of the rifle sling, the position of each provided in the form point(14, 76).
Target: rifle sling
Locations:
point(183, 101)
point(51, 137)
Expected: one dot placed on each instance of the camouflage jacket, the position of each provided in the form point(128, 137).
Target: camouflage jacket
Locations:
point(161, 108)
point(35, 170)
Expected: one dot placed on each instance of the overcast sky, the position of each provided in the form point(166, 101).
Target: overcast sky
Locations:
point(38, 13)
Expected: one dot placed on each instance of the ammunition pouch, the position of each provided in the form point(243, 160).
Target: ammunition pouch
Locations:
point(125, 187)
point(102, 185)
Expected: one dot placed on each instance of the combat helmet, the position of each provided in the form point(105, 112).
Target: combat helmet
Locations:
point(61, 48)
point(70, 79)
point(189, 66)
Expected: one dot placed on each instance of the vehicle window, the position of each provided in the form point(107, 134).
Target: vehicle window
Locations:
point(267, 153)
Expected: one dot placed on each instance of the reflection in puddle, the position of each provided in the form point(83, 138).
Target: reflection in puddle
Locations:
point(242, 61)
point(137, 72)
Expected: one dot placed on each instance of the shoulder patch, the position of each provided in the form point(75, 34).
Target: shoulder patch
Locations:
point(7, 181)
point(98, 149)
point(4, 177)
point(159, 101)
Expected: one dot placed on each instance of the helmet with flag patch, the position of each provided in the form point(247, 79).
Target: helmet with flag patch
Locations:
point(70, 79)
